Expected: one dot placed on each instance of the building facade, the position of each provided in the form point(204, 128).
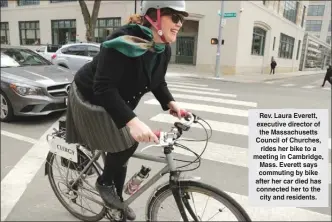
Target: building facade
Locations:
point(259, 31)
point(319, 20)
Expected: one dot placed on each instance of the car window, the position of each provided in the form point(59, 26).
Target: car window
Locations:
point(7, 61)
point(80, 50)
point(24, 57)
point(93, 50)
point(52, 48)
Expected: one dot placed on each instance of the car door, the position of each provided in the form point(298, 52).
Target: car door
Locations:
point(76, 56)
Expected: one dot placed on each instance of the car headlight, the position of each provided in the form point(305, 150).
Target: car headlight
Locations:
point(26, 90)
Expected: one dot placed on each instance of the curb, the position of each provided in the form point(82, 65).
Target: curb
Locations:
point(239, 81)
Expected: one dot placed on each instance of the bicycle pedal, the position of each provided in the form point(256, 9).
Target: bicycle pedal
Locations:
point(114, 215)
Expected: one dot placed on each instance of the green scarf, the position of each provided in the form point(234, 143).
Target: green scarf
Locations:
point(133, 46)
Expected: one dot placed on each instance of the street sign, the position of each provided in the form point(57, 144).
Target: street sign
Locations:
point(229, 14)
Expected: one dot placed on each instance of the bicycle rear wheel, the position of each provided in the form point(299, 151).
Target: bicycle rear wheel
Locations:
point(69, 172)
point(157, 212)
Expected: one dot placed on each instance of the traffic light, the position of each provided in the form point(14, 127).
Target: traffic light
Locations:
point(214, 41)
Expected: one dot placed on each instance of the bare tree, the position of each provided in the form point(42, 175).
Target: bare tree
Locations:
point(90, 20)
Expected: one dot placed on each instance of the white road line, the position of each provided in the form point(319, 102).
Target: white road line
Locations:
point(288, 85)
point(18, 137)
point(186, 83)
point(237, 129)
point(16, 181)
point(213, 99)
point(202, 92)
point(270, 82)
point(327, 88)
point(192, 87)
point(308, 87)
point(206, 108)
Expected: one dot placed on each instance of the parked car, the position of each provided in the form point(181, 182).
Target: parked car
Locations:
point(30, 84)
point(47, 51)
point(74, 56)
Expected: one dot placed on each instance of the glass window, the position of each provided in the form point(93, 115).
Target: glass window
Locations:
point(4, 33)
point(328, 40)
point(29, 33)
point(286, 46)
point(290, 10)
point(21, 57)
point(3, 3)
point(316, 10)
point(79, 50)
point(63, 31)
point(313, 25)
point(59, 1)
point(258, 41)
point(105, 26)
point(93, 51)
point(27, 2)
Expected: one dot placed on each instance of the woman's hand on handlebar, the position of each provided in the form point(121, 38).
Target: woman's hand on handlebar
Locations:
point(141, 132)
point(176, 110)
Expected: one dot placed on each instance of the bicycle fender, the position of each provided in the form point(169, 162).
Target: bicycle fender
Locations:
point(162, 188)
point(48, 158)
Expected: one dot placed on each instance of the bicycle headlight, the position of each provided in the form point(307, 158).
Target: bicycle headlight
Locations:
point(26, 90)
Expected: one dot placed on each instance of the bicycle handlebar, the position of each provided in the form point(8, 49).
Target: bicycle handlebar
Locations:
point(167, 138)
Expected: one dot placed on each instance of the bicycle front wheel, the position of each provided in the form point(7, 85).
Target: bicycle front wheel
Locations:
point(201, 202)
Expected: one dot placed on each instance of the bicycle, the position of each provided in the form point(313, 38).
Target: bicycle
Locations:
point(177, 187)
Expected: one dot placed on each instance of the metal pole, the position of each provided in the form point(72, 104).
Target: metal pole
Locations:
point(219, 39)
point(135, 6)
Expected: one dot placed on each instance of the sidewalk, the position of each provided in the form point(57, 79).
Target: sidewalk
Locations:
point(189, 72)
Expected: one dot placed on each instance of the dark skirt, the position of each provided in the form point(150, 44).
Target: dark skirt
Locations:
point(92, 126)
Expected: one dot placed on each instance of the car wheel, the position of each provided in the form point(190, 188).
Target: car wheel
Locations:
point(6, 109)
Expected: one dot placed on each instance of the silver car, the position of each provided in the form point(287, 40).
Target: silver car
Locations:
point(74, 56)
point(30, 84)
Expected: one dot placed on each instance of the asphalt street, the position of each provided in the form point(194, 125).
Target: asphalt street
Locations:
point(27, 195)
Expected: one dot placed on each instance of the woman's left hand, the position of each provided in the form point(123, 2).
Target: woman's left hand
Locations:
point(173, 106)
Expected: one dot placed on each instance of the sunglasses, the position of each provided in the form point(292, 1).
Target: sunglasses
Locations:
point(176, 18)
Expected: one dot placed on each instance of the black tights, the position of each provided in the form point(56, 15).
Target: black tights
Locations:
point(115, 169)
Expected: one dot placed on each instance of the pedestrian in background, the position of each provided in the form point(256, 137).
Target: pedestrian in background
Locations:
point(328, 76)
point(273, 65)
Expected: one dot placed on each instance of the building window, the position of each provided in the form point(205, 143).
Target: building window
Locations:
point(274, 42)
point(258, 41)
point(27, 2)
point(290, 11)
point(298, 49)
point(59, 1)
point(330, 26)
point(328, 40)
point(316, 10)
point(63, 31)
point(29, 33)
point(286, 46)
point(105, 26)
point(313, 25)
point(3, 3)
point(4, 33)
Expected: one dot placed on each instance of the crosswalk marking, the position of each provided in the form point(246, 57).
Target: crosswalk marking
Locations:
point(206, 108)
point(193, 87)
point(270, 82)
point(308, 87)
point(186, 83)
point(215, 125)
point(201, 92)
point(213, 99)
point(327, 88)
point(288, 84)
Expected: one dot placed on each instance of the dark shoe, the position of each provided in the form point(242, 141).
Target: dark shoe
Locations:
point(109, 195)
point(130, 214)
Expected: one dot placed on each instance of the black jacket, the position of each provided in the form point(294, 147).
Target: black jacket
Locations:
point(117, 82)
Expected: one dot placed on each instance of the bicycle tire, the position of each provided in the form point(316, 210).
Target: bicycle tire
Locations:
point(97, 217)
point(165, 191)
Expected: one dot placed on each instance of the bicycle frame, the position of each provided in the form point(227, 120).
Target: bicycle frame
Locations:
point(169, 168)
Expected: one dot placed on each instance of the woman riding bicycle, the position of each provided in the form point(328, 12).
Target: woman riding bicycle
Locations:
point(105, 92)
